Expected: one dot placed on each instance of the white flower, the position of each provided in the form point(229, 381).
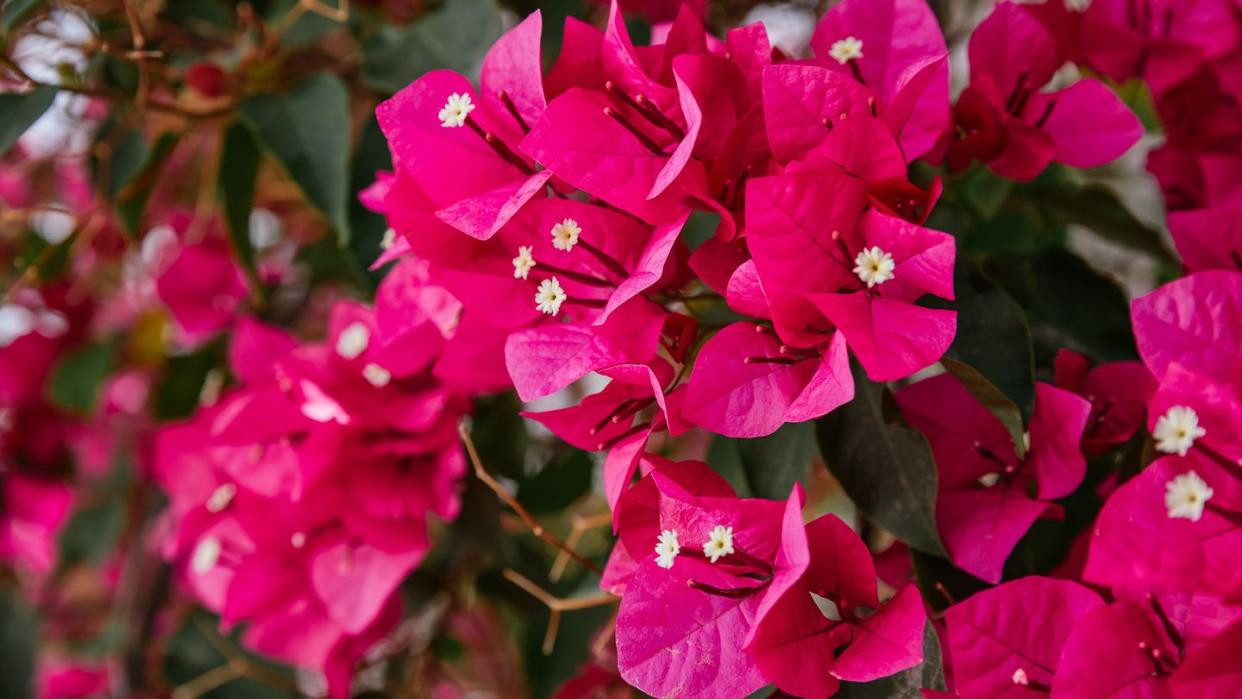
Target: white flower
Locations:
point(376, 375)
point(874, 266)
point(206, 555)
point(565, 235)
point(1077, 5)
point(667, 549)
point(298, 540)
point(1186, 495)
point(1177, 430)
point(719, 543)
point(550, 296)
point(456, 110)
point(845, 50)
point(1020, 678)
point(353, 341)
point(221, 497)
point(390, 237)
point(523, 262)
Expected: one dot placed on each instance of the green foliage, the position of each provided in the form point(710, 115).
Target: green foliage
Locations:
point(307, 131)
point(19, 111)
point(14, 11)
point(18, 638)
point(565, 479)
point(77, 379)
point(131, 201)
point(91, 534)
point(456, 36)
point(766, 467)
point(239, 169)
point(885, 467)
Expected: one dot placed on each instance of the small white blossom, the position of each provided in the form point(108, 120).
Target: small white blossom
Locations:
point(221, 497)
point(523, 262)
point(353, 341)
point(15, 322)
point(845, 50)
point(719, 543)
point(1077, 5)
point(1186, 495)
point(874, 266)
point(565, 235)
point(550, 296)
point(456, 110)
point(206, 555)
point(667, 549)
point(376, 375)
point(988, 480)
point(1020, 678)
point(1177, 430)
point(389, 239)
point(298, 540)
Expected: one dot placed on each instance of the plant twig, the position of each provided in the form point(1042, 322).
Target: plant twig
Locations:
point(556, 605)
point(535, 527)
point(581, 525)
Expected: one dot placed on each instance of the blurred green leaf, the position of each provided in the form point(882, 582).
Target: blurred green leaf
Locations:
point(181, 385)
point(765, 467)
point(996, 402)
point(886, 468)
point(19, 111)
point(994, 340)
point(906, 684)
point(456, 37)
point(125, 158)
point(76, 380)
point(18, 639)
point(983, 192)
point(1097, 207)
point(91, 534)
point(307, 131)
point(190, 654)
point(13, 12)
point(239, 170)
point(566, 478)
point(133, 194)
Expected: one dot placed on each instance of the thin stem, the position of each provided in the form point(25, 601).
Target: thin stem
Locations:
point(581, 525)
point(535, 527)
point(556, 605)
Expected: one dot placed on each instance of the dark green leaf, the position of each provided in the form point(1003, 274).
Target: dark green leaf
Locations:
point(367, 226)
point(766, 467)
point(14, 11)
point(132, 198)
point(181, 386)
point(455, 37)
point(307, 131)
point(77, 379)
point(983, 192)
point(566, 478)
point(91, 534)
point(1098, 208)
point(887, 469)
point(906, 684)
point(124, 161)
point(189, 653)
point(996, 402)
point(19, 111)
point(239, 170)
point(18, 638)
point(994, 340)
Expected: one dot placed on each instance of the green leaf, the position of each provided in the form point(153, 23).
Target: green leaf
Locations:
point(91, 534)
point(996, 402)
point(239, 170)
point(307, 131)
point(994, 343)
point(1098, 208)
point(983, 192)
point(886, 468)
point(124, 161)
point(15, 11)
point(906, 684)
point(566, 478)
point(18, 639)
point(181, 385)
point(19, 111)
point(766, 467)
point(189, 653)
point(134, 193)
point(78, 377)
point(455, 37)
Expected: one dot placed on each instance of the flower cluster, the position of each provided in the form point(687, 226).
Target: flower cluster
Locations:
point(300, 500)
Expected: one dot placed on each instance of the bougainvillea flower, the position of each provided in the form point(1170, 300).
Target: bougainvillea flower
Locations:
point(1007, 641)
point(202, 288)
point(1211, 672)
point(884, 45)
point(747, 383)
point(983, 505)
point(1208, 238)
point(1002, 118)
point(821, 620)
point(32, 512)
point(1117, 392)
point(1116, 650)
point(1195, 321)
